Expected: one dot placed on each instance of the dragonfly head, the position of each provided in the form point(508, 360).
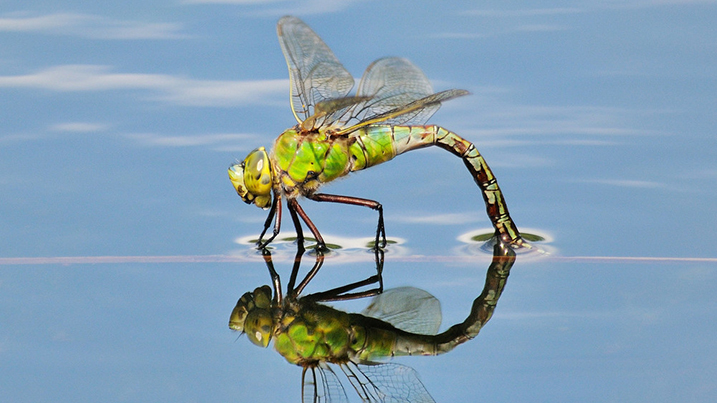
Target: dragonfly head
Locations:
point(252, 315)
point(252, 178)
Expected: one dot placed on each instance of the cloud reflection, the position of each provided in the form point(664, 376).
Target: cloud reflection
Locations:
point(78, 127)
point(169, 88)
point(438, 219)
point(638, 184)
point(152, 139)
point(89, 26)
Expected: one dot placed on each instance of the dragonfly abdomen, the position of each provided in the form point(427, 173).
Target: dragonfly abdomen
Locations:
point(380, 143)
point(495, 204)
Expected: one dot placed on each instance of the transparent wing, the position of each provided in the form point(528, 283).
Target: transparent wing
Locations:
point(408, 308)
point(388, 382)
point(316, 74)
point(321, 385)
point(386, 84)
point(396, 92)
point(416, 112)
point(392, 83)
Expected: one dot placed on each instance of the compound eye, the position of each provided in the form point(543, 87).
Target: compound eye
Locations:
point(257, 173)
point(236, 176)
point(258, 327)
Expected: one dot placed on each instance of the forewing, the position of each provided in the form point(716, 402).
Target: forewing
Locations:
point(315, 73)
point(418, 111)
point(320, 385)
point(387, 83)
point(415, 113)
point(407, 308)
point(388, 382)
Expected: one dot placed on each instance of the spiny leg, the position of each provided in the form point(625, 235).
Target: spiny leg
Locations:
point(276, 281)
point(343, 293)
point(294, 209)
point(295, 269)
point(311, 274)
point(275, 210)
point(356, 201)
point(297, 225)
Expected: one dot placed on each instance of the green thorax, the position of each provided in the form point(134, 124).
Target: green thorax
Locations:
point(305, 160)
point(308, 333)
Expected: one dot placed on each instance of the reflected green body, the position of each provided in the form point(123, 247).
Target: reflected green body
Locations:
point(310, 333)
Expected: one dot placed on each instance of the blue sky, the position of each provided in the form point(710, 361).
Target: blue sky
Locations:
point(118, 121)
point(554, 84)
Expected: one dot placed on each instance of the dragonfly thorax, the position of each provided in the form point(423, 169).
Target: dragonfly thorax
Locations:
point(306, 159)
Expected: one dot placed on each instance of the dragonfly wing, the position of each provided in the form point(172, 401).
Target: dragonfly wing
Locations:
point(387, 382)
point(392, 82)
point(408, 308)
point(386, 84)
point(321, 385)
point(394, 76)
point(316, 74)
point(399, 94)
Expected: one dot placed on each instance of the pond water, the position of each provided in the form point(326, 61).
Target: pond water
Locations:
point(124, 247)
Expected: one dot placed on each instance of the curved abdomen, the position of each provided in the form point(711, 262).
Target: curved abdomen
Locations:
point(377, 144)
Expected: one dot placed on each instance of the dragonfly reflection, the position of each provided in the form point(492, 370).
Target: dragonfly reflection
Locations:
point(401, 321)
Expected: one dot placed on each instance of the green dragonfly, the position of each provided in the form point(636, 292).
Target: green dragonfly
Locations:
point(402, 321)
point(338, 133)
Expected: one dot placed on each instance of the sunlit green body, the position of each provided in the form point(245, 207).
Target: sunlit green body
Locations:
point(305, 160)
point(338, 133)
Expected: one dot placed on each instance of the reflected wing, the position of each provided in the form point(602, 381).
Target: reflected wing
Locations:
point(387, 382)
point(408, 308)
point(320, 385)
point(316, 74)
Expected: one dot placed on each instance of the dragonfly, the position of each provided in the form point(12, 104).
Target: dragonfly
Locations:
point(397, 322)
point(337, 133)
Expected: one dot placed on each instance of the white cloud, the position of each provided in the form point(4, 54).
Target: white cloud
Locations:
point(78, 127)
point(578, 8)
point(506, 119)
point(169, 88)
point(152, 139)
point(282, 7)
point(438, 219)
point(245, 2)
point(89, 26)
point(653, 3)
point(628, 183)
point(524, 12)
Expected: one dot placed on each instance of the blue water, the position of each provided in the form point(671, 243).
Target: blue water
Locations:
point(118, 124)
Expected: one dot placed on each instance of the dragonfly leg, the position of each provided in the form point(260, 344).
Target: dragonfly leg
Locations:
point(297, 225)
point(275, 210)
point(294, 209)
point(310, 275)
point(343, 293)
point(295, 269)
point(276, 281)
point(356, 201)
